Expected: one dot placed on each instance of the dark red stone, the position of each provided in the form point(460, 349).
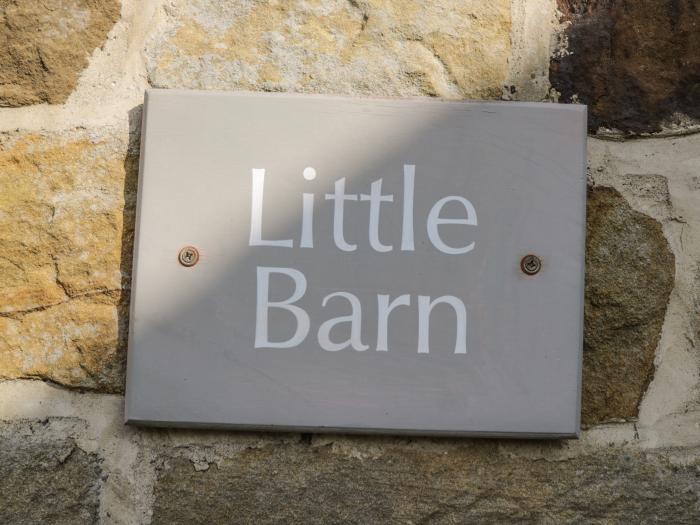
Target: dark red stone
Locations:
point(636, 63)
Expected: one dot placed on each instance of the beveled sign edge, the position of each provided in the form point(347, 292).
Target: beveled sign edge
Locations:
point(377, 431)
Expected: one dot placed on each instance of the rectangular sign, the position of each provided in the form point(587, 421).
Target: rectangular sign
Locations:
point(324, 263)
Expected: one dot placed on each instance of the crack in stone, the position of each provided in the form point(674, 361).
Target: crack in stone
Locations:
point(19, 314)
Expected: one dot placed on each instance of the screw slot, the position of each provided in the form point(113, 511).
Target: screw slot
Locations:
point(188, 256)
point(530, 264)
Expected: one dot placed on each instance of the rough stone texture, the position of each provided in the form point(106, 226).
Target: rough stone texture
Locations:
point(66, 257)
point(630, 271)
point(45, 478)
point(634, 62)
point(458, 483)
point(66, 217)
point(448, 48)
point(46, 44)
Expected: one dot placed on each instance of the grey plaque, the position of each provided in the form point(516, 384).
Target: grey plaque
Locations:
point(358, 265)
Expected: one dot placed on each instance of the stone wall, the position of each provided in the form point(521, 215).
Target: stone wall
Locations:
point(72, 77)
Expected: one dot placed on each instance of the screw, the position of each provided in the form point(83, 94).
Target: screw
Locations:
point(530, 264)
point(188, 256)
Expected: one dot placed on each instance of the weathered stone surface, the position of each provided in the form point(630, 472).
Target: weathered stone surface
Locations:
point(649, 189)
point(455, 483)
point(630, 271)
point(448, 48)
point(44, 478)
point(46, 44)
point(635, 62)
point(66, 229)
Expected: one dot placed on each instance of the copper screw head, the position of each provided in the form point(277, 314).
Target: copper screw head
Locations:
point(188, 256)
point(530, 264)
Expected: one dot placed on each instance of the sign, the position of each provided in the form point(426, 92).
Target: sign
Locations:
point(336, 264)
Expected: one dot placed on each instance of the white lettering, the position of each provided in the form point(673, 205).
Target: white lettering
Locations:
point(384, 308)
point(307, 217)
point(375, 199)
point(434, 220)
point(256, 210)
point(355, 320)
point(307, 221)
point(409, 172)
point(339, 197)
point(264, 304)
point(425, 305)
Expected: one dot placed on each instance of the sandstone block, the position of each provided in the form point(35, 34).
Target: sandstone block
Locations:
point(447, 48)
point(66, 230)
point(46, 45)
